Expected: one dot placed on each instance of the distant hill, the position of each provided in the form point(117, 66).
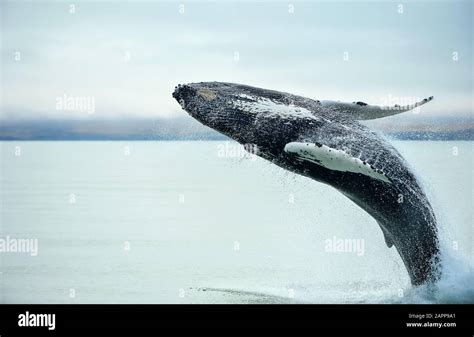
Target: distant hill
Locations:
point(123, 129)
point(184, 128)
point(467, 134)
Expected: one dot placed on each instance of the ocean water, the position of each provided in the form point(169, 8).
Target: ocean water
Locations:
point(199, 222)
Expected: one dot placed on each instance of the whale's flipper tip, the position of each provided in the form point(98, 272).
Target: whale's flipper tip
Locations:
point(363, 111)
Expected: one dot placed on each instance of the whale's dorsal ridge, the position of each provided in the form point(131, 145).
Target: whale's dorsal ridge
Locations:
point(363, 111)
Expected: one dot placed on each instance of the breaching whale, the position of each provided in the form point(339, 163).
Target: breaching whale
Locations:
point(325, 141)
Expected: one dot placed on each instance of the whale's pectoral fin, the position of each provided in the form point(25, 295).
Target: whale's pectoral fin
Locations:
point(364, 111)
point(334, 159)
point(386, 236)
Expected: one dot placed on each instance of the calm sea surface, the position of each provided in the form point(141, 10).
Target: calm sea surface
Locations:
point(180, 222)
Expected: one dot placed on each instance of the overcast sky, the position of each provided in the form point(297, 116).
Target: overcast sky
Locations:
point(129, 56)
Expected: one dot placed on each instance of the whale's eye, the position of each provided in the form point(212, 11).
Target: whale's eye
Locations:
point(207, 94)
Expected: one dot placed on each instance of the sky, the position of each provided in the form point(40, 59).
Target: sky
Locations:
point(123, 59)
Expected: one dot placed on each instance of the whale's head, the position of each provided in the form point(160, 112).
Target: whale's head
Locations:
point(218, 106)
point(266, 118)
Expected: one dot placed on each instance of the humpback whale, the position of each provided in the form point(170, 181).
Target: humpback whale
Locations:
point(325, 141)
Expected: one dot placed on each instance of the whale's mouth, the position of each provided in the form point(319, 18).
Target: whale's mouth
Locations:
point(199, 102)
point(184, 94)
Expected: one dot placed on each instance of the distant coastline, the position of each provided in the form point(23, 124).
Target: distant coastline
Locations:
point(186, 129)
